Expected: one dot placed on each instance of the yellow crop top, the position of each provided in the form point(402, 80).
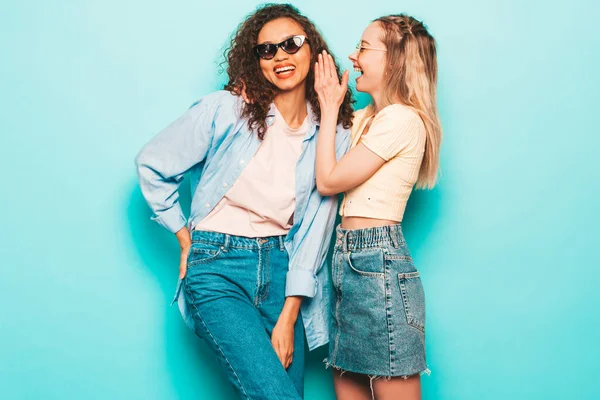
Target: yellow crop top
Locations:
point(397, 135)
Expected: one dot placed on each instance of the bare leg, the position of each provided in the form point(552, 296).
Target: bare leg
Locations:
point(397, 388)
point(351, 386)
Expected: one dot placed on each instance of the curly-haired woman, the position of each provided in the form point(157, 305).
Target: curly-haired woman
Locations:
point(259, 228)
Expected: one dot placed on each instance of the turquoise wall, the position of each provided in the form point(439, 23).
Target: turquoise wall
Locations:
point(507, 243)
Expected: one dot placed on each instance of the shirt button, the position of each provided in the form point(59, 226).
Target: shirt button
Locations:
point(224, 184)
point(207, 205)
point(242, 162)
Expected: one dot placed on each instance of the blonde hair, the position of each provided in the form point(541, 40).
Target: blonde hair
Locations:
point(412, 79)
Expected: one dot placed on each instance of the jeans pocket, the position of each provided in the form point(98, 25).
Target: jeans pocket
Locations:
point(203, 253)
point(413, 298)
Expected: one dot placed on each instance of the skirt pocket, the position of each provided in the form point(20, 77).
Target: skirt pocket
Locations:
point(413, 298)
point(368, 263)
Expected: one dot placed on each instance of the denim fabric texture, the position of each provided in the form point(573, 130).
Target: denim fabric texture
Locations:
point(378, 305)
point(231, 273)
point(212, 143)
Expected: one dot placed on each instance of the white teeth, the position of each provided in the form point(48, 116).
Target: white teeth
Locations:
point(357, 69)
point(284, 69)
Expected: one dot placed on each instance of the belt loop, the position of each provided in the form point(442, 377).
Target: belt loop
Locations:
point(281, 243)
point(226, 244)
point(345, 242)
point(394, 236)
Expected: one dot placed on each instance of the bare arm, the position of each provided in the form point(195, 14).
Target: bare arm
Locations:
point(282, 338)
point(360, 163)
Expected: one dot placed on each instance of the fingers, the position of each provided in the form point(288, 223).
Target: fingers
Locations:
point(322, 61)
point(328, 66)
point(328, 69)
point(281, 355)
point(286, 359)
point(317, 76)
point(331, 66)
point(183, 263)
point(321, 67)
point(325, 67)
point(330, 90)
point(245, 96)
point(182, 269)
point(285, 353)
point(345, 78)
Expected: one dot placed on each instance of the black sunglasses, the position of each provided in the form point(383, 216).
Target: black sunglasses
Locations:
point(291, 45)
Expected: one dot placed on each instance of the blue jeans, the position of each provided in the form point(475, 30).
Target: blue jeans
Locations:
point(235, 290)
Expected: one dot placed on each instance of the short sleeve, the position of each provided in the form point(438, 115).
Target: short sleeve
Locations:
point(393, 129)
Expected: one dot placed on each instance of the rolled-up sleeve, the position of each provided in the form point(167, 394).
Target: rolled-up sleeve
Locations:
point(314, 235)
point(163, 162)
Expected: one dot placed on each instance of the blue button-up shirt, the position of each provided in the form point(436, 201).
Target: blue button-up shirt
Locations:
point(213, 143)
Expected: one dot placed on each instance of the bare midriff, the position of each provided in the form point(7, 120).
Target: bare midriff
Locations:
point(364, 222)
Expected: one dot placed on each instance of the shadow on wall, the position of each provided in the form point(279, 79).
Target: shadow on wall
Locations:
point(195, 372)
point(423, 207)
point(418, 225)
point(420, 218)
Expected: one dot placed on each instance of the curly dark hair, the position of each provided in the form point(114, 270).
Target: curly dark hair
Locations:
point(243, 66)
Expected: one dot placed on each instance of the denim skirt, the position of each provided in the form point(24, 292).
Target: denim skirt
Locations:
point(378, 307)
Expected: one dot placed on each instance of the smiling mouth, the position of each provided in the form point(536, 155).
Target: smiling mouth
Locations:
point(285, 69)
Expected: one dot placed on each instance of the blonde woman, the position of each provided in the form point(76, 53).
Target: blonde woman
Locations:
point(377, 339)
